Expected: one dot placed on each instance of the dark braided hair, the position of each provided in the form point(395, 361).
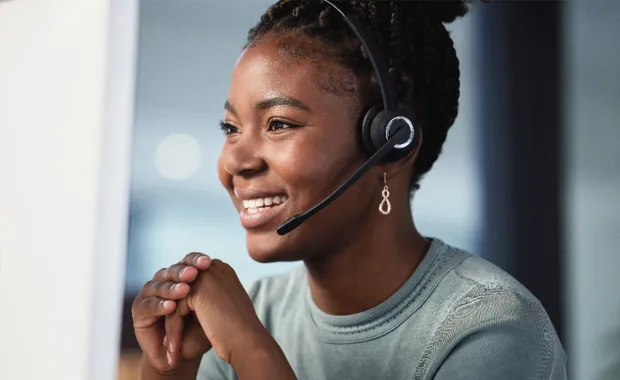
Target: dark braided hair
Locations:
point(420, 53)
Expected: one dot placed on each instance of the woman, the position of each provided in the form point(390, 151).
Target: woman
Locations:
point(375, 299)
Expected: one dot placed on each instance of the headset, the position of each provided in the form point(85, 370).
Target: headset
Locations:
point(389, 130)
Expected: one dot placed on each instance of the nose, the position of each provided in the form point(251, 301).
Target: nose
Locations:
point(243, 158)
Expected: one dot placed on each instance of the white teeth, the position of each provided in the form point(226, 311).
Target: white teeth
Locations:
point(259, 204)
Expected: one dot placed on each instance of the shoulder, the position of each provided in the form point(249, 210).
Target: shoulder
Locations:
point(473, 283)
point(473, 279)
point(493, 326)
point(486, 274)
point(492, 295)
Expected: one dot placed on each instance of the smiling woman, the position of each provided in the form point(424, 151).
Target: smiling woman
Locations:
point(375, 298)
point(291, 138)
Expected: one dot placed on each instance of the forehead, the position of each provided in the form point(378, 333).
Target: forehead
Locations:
point(261, 66)
point(272, 67)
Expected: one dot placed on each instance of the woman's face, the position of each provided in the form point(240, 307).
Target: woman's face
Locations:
point(288, 145)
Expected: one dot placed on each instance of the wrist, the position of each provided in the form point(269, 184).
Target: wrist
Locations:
point(249, 342)
point(261, 359)
point(255, 348)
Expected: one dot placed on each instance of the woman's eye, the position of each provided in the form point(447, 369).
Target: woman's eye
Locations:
point(276, 125)
point(228, 128)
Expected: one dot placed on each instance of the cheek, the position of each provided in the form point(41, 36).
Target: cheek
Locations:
point(312, 168)
point(223, 175)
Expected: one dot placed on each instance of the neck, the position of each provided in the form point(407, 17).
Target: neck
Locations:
point(367, 271)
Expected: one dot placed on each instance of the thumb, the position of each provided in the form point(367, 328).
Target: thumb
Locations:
point(192, 303)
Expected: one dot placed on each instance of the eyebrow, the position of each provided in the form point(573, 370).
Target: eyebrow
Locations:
point(230, 108)
point(271, 102)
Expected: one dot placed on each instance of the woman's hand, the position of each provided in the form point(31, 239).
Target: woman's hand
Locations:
point(226, 313)
point(167, 335)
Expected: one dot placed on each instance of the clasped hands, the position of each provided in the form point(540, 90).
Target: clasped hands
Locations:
point(191, 307)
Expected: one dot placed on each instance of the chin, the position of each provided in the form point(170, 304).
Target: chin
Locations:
point(269, 247)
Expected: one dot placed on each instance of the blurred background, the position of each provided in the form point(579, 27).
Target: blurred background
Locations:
point(528, 177)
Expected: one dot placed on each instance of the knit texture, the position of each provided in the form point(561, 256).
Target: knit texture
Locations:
point(457, 317)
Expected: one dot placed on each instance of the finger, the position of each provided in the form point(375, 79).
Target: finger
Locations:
point(177, 273)
point(161, 275)
point(198, 260)
point(166, 289)
point(174, 335)
point(151, 345)
point(151, 308)
point(183, 308)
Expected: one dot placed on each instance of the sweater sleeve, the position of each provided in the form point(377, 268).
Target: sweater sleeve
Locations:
point(498, 335)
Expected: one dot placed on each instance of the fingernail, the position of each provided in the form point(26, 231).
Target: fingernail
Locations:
point(169, 358)
point(166, 341)
point(177, 286)
point(171, 348)
point(182, 272)
point(202, 259)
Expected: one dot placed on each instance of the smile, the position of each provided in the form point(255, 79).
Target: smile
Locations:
point(260, 209)
point(254, 206)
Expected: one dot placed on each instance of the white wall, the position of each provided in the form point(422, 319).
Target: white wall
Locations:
point(66, 104)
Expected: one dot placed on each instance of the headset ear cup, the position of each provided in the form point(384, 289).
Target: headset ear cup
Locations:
point(367, 122)
point(417, 130)
point(378, 132)
point(377, 136)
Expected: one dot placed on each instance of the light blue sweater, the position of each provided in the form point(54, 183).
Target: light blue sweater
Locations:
point(457, 317)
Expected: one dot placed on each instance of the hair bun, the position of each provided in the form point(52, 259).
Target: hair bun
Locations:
point(445, 11)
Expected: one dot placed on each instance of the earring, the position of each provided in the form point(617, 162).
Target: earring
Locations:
point(385, 206)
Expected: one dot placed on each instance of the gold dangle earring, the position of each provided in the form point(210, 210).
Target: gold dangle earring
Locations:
point(385, 206)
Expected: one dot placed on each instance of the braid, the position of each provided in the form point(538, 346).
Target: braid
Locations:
point(420, 53)
point(372, 13)
point(397, 53)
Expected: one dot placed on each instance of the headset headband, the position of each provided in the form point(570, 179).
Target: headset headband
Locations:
point(388, 90)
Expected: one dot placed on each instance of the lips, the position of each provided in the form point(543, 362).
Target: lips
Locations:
point(259, 207)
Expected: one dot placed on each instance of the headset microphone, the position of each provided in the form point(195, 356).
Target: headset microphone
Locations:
point(389, 130)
